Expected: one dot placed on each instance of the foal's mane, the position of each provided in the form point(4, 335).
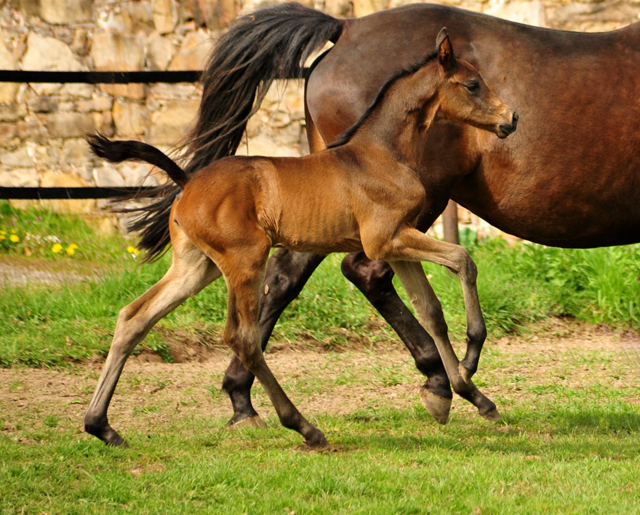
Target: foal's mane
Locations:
point(346, 136)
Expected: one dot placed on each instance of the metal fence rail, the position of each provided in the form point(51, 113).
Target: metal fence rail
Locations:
point(90, 77)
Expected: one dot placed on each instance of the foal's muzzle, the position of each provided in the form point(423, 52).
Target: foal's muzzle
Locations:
point(508, 128)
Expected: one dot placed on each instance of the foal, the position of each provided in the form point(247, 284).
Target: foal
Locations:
point(363, 193)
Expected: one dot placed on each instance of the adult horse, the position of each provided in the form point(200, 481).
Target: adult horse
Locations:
point(567, 178)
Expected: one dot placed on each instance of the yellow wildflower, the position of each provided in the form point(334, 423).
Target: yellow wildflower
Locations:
point(56, 248)
point(3, 232)
point(70, 250)
point(133, 250)
point(13, 231)
point(73, 246)
point(2, 237)
point(14, 238)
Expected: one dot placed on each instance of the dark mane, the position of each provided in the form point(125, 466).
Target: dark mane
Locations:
point(346, 136)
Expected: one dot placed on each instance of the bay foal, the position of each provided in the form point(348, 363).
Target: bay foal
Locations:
point(363, 193)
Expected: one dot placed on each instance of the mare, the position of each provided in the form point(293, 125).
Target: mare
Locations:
point(568, 178)
point(362, 194)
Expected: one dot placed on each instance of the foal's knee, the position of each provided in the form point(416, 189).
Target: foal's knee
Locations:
point(467, 269)
point(477, 333)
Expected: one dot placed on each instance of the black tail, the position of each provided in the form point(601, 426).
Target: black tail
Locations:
point(118, 151)
point(270, 44)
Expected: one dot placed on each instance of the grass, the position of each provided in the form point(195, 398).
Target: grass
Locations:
point(396, 468)
point(54, 326)
point(569, 448)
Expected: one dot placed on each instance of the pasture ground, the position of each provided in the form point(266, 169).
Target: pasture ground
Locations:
point(569, 443)
point(568, 389)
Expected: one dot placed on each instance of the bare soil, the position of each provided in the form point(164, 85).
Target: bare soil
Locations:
point(18, 271)
point(151, 393)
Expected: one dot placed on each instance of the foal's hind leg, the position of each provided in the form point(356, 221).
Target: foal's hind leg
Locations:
point(190, 272)
point(287, 273)
point(244, 272)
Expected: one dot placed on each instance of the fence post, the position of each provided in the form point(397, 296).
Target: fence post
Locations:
point(450, 223)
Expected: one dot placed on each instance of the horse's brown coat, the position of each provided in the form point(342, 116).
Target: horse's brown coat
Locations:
point(569, 177)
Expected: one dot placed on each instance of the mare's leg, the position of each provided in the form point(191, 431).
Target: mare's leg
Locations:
point(429, 311)
point(287, 273)
point(190, 272)
point(244, 273)
point(374, 280)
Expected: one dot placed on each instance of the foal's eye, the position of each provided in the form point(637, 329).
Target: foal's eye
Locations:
point(472, 86)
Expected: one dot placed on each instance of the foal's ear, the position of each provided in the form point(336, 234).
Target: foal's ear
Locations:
point(444, 48)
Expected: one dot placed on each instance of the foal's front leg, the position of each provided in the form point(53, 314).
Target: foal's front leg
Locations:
point(375, 280)
point(429, 312)
point(409, 244)
point(287, 273)
point(412, 245)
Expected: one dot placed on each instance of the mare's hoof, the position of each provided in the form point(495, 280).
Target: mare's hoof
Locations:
point(437, 406)
point(465, 373)
point(492, 415)
point(254, 421)
point(323, 448)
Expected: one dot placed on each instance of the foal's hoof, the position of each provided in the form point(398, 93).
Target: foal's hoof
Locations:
point(318, 442)
point(465, 373)
point(437, 406)
point(492, 415)
point(107, 434)
point(254, 421)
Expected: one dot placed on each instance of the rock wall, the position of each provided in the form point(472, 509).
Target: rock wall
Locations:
point(41, 125)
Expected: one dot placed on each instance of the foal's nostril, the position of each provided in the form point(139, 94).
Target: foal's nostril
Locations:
point(514, 120)
point(507, 129)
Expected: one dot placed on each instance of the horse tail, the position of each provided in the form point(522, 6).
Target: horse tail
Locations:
point(118, 151)
point(269, 44)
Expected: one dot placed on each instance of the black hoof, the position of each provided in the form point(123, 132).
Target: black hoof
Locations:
point(317, 441)
point(107, 434)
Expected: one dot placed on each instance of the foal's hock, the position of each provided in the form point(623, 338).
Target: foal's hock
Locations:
point(363, 193)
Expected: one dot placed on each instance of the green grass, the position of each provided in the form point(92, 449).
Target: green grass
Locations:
point(55, 326)
point(564, 457)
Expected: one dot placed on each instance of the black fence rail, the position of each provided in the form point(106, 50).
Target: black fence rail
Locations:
point(90, 77)
point(60, 193)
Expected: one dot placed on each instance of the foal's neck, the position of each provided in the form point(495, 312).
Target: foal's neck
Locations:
point(400, 121)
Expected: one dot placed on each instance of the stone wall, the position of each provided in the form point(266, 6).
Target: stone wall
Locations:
point(41, 125)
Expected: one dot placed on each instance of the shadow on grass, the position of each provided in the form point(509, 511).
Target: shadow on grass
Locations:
point(605, 431)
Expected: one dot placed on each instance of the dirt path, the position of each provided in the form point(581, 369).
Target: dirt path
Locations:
point(21, 271)
point(152, 393)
